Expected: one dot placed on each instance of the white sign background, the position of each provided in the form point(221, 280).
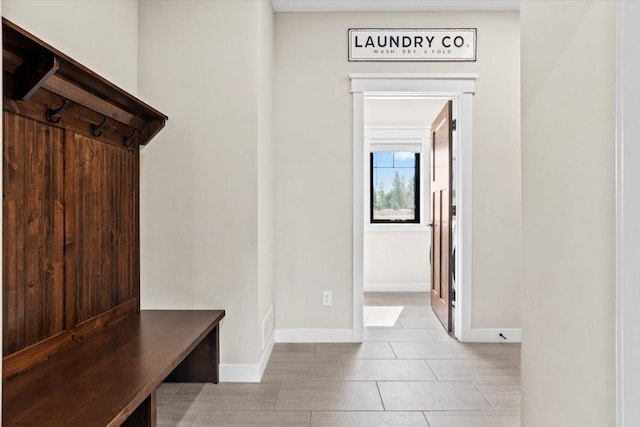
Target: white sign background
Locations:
point(412, 44)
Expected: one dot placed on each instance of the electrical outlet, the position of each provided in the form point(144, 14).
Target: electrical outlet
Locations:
point(327, 298)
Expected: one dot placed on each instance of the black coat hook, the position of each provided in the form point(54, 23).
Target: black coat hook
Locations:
point(127, 141)
point(96, 129)
point(51, 112)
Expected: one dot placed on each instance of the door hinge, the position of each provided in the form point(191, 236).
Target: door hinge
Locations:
point(454, 124)
point(452, 294)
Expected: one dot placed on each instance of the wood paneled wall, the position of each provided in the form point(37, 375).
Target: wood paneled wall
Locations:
point(70, 241)
point(33, 238)
point(100, 225)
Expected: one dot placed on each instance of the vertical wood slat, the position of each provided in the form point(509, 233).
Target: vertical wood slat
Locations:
point(13, 223)
point(134, 255)
point(54, 259)
point(71, 221)
point(105, 226)
point(33, 235)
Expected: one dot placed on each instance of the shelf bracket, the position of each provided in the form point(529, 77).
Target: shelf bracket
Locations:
point(32, 74)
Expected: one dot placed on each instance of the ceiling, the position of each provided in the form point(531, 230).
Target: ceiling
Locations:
point(393, 5)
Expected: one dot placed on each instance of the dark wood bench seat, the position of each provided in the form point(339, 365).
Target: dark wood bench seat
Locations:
point(109, 377)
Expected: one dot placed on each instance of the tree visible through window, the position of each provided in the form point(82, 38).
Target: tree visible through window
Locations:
point(395, 178)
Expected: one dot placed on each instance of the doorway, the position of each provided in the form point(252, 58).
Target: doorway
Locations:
point(401, 225)
point(459, 89)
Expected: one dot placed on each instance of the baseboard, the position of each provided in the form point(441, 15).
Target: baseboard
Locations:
point(397, 287)
point(314, 335)
point(493, 335)
point(247, 373)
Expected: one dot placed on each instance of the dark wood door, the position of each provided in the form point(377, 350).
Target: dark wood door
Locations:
point(441, 184)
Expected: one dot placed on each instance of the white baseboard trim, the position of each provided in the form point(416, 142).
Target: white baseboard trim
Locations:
point(314, 335)
point(247, 373)
point(397, 287)
point(493, 335)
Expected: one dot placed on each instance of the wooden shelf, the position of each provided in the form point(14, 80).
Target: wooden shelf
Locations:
point(32, 65)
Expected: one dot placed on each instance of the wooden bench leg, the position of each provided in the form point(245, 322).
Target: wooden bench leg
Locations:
point(146, 415)
point(202, 364)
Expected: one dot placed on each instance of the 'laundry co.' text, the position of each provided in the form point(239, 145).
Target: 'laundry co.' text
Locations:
point(412, 44)
point(409, 41)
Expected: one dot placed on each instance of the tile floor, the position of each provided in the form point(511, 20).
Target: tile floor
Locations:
point(411, 373)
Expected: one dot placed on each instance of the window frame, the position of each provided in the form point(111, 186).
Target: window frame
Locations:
point(377, 137)
point(416, 193)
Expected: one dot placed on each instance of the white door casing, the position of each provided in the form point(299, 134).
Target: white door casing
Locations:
point(460, 88)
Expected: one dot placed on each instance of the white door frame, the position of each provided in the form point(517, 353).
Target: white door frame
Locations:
point(627, 215)
point(460, 88)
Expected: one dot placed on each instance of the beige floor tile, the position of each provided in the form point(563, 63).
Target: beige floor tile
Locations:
point(387, 370)
point(168, 388)
point(367, 419)
point(451, 350)
point(329, 396)
point(432, 396)
point(418, 311)
point(293, 351)
point(365, 350)
point(226, 396)
point(503, 397)
point(169, 415)
point(395, 334)
point(488, 369)
point(440, 334)
point(419, 321)
point(473, 419)
point(252, 418)
point(396, 325)
point(431, 350)
point(303, 370)
point(172, 423)
point(494, 348)
point(166, 391)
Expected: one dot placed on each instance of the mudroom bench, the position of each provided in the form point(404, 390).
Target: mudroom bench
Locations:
point(110, 377)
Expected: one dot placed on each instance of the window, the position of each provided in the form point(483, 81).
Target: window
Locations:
point(395, 187)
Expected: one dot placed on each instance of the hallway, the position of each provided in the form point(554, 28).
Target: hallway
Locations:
point(411, 373)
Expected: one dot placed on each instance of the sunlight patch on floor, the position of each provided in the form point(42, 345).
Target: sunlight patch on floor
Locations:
point(381, 316)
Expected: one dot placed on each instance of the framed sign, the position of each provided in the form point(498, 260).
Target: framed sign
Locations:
point(412, 44)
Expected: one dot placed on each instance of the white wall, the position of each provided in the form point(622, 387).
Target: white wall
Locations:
point(265, 159)
point(568, 310)
point(313, 162)
point(101, 35)
point(204, 203)
point(396, 258)
point(629, 213)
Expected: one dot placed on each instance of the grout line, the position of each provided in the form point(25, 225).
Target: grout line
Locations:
point(392, 350)
point(424, 414)
point(431, 369)
point(275, 402)
point(482, 394)
point(380, 395)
